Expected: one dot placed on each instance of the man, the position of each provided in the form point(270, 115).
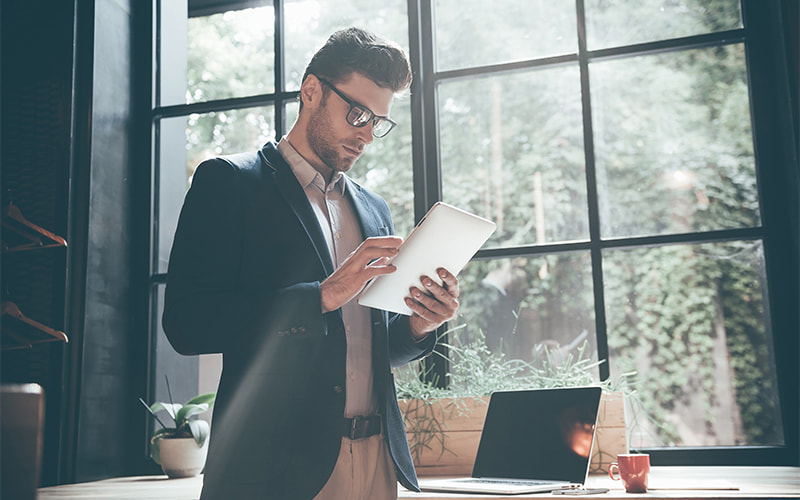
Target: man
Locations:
point(270, 253)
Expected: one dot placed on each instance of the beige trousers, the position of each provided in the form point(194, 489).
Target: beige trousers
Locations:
point(364, 471)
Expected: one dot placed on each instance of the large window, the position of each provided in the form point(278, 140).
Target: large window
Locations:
point(615, 144)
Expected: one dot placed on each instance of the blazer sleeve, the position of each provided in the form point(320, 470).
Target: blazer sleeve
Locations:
point(206, 310)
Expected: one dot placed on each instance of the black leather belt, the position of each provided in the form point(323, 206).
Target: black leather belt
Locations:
point(362, 427)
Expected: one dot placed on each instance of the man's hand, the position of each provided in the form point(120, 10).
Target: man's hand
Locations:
point(367, 261)
point(433, 306)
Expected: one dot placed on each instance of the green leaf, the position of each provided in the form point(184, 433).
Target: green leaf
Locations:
point(200, 431)
point(188, 410)
point(209, 398)
point(170, 408)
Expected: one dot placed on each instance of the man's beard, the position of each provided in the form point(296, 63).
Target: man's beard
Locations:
point(321, 140)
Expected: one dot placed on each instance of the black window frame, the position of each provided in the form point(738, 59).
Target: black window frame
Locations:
point(769, 34)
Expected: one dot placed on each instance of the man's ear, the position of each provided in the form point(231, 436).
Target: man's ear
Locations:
point(311, 91)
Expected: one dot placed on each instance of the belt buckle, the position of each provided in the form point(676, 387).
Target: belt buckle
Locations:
point(354, 427)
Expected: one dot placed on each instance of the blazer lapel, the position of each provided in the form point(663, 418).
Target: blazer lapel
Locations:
point(370, 225)
point(295, 197)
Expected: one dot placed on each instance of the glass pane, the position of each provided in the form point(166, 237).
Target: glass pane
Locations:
point(522, 308)
point(227, 132)
point(673, 144)
point(690, 320)
point(512, 151)
point(468, 34)
point(386, 168)
point(168, 366)
point(612, 23)
point(172, 53)
point(231, 54)
point(185, 142)
point(309, 23)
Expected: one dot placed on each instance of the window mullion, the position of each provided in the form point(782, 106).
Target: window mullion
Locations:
point(280, 84)
point(425, 144)
point(591, 195)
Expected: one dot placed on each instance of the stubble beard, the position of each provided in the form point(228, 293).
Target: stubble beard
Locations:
point(321, 139)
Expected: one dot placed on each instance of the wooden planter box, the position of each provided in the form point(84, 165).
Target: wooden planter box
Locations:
point(443, 434)
point(611, 437)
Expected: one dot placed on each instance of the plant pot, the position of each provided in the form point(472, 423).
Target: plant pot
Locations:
point(443, 434)
point(181, 457)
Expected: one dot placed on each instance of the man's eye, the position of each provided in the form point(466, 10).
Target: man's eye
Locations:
point(360, 115)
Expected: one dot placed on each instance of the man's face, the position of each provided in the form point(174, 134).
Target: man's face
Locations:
point(333, 140)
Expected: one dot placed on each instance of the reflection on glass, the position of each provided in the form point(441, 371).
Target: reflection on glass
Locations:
point(231, 55)
point(691, 321)
point(612, 23)
point(309, 23)
point(469, 33)
point(227, 132)
point(525, 307)
point(512, 151)
point(673, 145)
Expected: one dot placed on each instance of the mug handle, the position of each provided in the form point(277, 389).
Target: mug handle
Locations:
point(611, 467)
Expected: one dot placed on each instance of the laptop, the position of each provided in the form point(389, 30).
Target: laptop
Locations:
point(446, 237)
point(532, 441)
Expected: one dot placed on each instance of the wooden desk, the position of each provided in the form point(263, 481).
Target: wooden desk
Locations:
point(684, 483)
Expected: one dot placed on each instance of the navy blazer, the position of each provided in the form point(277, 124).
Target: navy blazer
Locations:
point(243, 280)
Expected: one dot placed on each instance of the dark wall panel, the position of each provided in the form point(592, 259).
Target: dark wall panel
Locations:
point(36, 55)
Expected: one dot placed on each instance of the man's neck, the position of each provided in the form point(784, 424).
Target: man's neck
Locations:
point(303, 149)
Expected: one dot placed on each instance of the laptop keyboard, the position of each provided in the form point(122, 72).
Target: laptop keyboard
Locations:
point(514, 482)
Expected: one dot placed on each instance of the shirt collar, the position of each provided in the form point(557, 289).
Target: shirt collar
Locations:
point(305, 173)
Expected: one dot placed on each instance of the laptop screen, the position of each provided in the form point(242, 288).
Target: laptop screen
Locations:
point(541, 434)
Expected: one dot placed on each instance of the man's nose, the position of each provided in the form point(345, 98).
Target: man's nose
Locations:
point(365, 133)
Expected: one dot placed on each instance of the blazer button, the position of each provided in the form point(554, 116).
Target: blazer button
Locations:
point(338, 389)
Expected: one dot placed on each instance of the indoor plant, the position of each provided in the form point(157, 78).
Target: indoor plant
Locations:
point(181, 448)
point(443, 424)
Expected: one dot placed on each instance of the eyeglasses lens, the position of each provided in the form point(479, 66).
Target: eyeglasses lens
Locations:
point(381, 127)
point(358, 116)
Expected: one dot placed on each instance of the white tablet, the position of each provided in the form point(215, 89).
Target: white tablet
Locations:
point(446, 237)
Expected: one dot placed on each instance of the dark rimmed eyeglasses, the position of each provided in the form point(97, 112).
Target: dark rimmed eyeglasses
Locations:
point(360, 115)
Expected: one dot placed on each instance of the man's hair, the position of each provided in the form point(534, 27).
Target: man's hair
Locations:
point(356, 50)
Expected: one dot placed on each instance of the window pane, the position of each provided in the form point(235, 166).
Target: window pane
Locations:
point(185, 142)
point(673, 144)
point(612, 23)
point(227, 132)
point(386, 168)
point(231, 55)
point(525, 304)
point(690, 320)
point(309, 23)
point(512, 151)
point(470, 34)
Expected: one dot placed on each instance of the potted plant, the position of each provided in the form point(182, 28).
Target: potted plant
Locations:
point(443, 425)
point(181, 448)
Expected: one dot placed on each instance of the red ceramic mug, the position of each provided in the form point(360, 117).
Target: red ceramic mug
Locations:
point(633, 470)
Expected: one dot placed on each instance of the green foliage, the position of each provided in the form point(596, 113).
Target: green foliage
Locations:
point(184, 424)
point(476, 372)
